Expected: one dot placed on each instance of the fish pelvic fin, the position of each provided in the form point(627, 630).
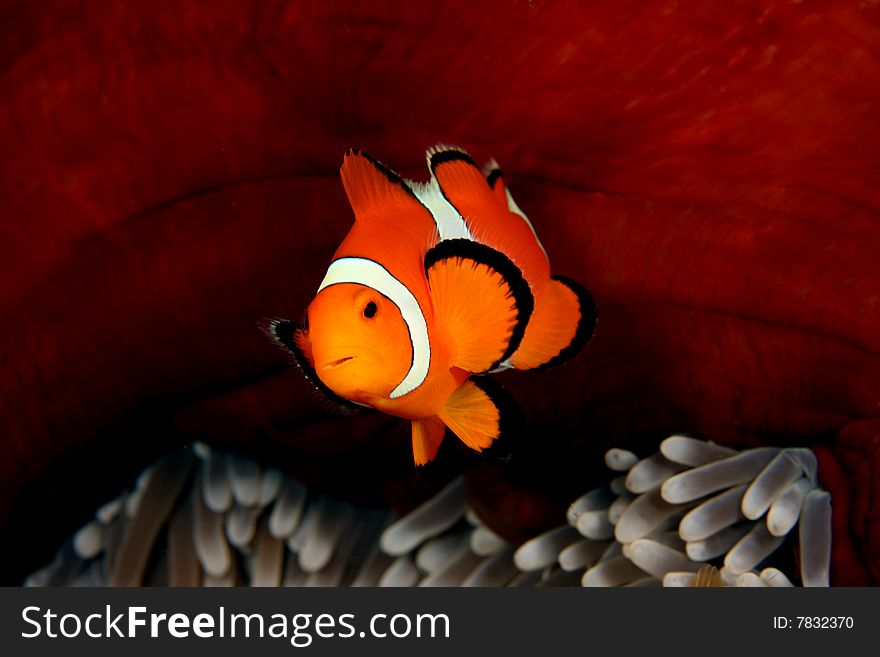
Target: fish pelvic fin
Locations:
point(427, 434)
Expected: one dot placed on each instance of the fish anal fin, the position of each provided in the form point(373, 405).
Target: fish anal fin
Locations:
point(473, 416)
point(427, 434)
point(485, 417)
point(480, 299)
point(563, 322)
point(374, 190)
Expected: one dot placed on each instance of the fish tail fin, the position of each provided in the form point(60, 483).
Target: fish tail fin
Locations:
point(562, 323)
point(427, 434)
point(483, 415)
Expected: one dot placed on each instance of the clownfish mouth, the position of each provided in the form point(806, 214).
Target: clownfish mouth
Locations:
point(337, 362)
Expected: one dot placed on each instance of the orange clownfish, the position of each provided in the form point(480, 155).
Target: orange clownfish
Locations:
point(435, 284)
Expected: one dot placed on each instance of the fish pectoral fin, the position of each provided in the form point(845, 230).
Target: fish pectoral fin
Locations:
point(481, 300)
point(295, 340)
point(563, 322)
point(289, 336)
point(427, 434)
point(374, 190)
point(482, 414)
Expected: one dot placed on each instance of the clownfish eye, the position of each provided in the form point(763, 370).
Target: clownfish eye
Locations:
point(370, 310)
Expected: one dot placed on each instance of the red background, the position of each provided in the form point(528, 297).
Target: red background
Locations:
point(169, 174)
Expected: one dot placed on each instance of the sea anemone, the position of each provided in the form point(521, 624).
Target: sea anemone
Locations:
point(222, 520)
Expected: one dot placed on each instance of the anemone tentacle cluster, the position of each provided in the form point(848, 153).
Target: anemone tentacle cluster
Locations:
point(203, 517)
point(664, 517)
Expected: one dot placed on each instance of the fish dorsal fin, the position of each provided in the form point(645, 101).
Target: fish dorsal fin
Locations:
point(374, 190)
point(295, 340)
point(481, 301)
point(483, 415)
point(495, 180)
point(427, 434)
point(462, 182)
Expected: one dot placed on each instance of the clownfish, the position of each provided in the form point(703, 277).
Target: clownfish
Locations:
point(436, 284)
